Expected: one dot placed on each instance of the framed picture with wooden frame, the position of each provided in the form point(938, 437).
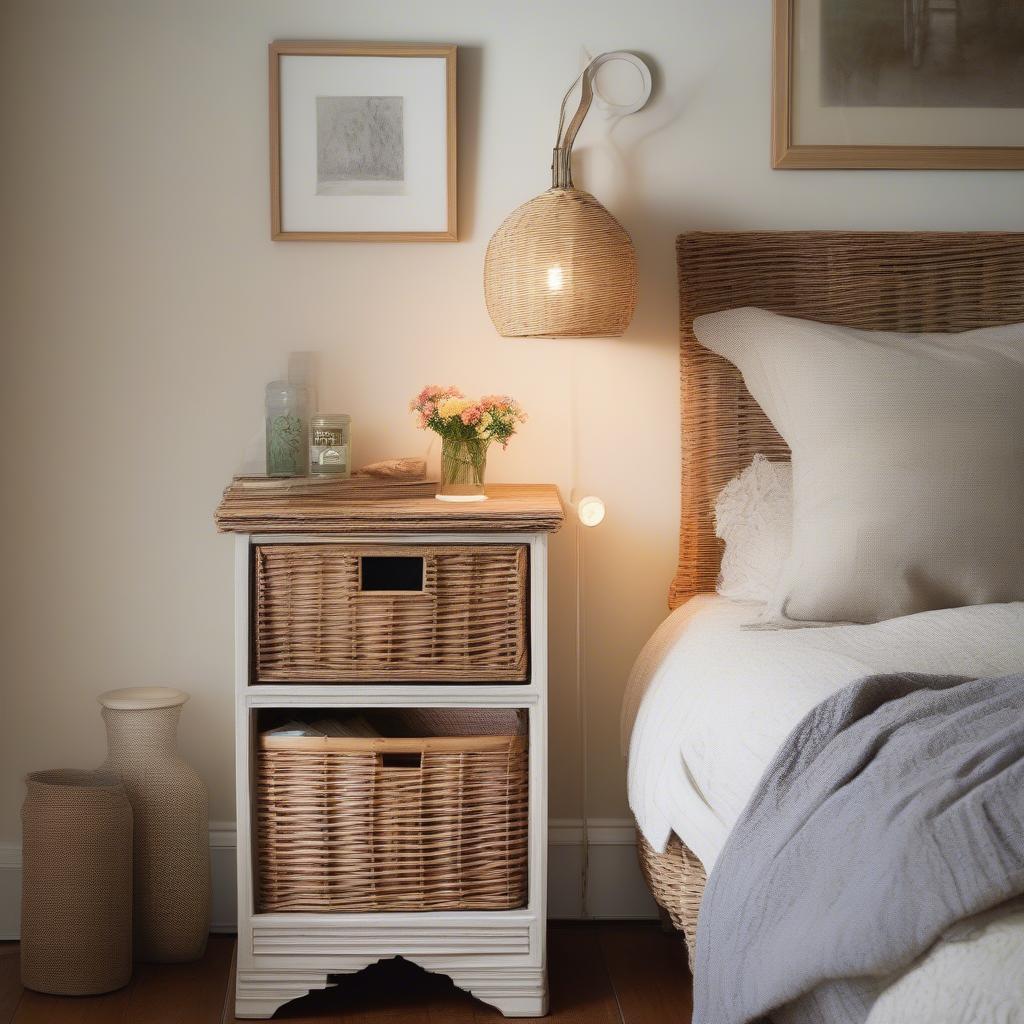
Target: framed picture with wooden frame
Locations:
point(362, 142)
point(904, 84)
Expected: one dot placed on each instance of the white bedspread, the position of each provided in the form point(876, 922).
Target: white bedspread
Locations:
point(709, 703)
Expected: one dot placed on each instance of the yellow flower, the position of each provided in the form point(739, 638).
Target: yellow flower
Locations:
point(452, 407)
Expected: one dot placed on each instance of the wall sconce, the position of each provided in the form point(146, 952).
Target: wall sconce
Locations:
point(561, 266)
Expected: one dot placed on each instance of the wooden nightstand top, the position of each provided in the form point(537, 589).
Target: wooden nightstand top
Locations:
point(510, 508)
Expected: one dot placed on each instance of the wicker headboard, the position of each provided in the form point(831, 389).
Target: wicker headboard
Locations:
point(875, 280)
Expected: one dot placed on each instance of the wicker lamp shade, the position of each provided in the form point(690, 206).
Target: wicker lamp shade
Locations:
point(560, 266)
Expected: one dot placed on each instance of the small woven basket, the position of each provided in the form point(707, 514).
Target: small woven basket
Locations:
point(76, 898)
point(359, 825)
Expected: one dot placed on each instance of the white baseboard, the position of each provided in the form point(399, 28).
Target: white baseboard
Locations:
point(615, 887)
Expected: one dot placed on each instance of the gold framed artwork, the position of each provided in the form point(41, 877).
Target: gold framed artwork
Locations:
point(362, 142)
point(906, 84)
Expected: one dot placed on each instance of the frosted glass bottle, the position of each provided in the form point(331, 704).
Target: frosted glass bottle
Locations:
point(287, 407)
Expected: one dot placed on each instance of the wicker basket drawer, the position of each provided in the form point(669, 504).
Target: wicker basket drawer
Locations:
point(386, 613)
point(363, 825)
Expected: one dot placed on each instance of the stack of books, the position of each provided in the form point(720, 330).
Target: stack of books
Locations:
point(353, 488)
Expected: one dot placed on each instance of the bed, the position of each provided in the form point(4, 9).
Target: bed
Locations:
point(909, 282)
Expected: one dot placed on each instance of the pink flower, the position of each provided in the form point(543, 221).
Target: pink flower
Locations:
point(493, 417)
point(431, 394)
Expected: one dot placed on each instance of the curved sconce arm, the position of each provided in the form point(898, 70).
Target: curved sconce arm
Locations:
point(561, 163)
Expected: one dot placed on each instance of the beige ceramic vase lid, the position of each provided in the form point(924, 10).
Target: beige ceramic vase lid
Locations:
point(142, 698)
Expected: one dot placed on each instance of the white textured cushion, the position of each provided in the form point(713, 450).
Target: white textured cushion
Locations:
point(908, 461)
point(754, 516)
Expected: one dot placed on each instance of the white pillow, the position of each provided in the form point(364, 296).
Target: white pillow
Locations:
point(908, 461)
point(754, 516)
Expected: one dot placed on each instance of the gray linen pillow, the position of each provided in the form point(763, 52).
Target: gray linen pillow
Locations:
point(908, 462)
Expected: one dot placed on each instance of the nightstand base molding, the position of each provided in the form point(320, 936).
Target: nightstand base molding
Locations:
point(260, 994)
point(513, 991)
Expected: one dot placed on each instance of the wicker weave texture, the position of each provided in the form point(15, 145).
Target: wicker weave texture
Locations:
point(315, 624)
point(358, 825)
point(913, 282)
point(76, 894)
point(676, 879)
point(560, 266)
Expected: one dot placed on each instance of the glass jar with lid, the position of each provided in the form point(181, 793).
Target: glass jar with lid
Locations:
point(330, 444)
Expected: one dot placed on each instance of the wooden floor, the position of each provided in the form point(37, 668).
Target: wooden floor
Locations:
point(602, 972)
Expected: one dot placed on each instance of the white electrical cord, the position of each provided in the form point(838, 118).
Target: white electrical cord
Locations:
point(581, 703)
point(581, 706)
point(590, 512)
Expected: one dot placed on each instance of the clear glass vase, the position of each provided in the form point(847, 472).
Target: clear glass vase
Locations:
point(463, 466)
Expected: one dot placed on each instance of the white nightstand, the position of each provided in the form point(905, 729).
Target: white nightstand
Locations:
point(498, 955)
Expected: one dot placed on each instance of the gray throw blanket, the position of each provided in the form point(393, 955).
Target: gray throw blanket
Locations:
point(893, 810)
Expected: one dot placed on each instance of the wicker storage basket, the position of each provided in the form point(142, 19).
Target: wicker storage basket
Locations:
point(322, 616)
point(345, 824)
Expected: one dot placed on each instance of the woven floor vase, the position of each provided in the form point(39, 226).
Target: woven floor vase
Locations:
point(560, 266)
point(172, 846)
point(76, 894)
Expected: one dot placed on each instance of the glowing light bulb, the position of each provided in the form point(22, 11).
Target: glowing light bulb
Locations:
point(555, 278)
point(590, 510)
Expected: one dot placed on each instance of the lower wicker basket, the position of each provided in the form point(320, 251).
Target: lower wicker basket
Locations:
point(347, 824)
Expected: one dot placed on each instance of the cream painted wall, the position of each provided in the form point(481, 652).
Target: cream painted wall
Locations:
point(145, 307)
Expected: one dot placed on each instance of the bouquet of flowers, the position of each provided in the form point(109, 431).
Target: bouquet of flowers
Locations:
point(467, 427)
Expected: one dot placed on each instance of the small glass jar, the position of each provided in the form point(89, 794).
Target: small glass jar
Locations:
point(287, 408)
point(330, 444)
